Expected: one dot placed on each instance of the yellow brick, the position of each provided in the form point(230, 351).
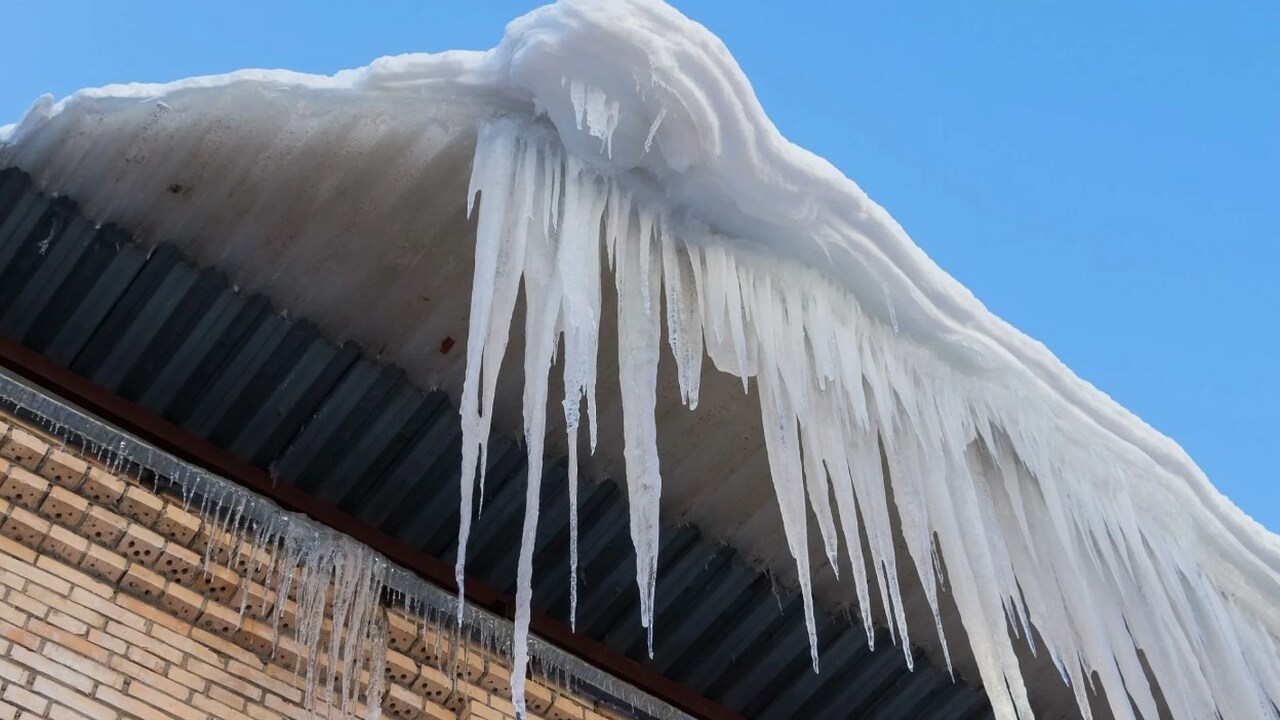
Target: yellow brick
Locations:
point(247, 560)
point(226, 697)
point(217, 709)
point(182, 641)
point(188, 678)
point(61, 712)
point(23, 487)
point(65, 469)
point(103, 563)
point(172, 707)
point(82, 705)
point(46, 667)
point(63, 507)
point(432, 711)
point(26, 555)
point(23, 448)
point(401, 668)
point(79, 645)
point(258, 601)
point(564, 709)
point(254, 636)
point(78, 618)
point(140, 505)
point(479, 711)
point(183, 603)
point(145, 610)
point(64, 545)
point(74, 577)
point(14, 673)
point(142, 582)
point(285, 675)
point(225, 647)
point(120, 701)
point(218, 619)
point(289, 654)
point(179, 564)
point(176, 525)
point(103, 526)
point(107, 644)
point(402, 633)
point(537, 697)
point(83, 664)
point(288, 709)
point(147, 660)
point(233, 681)
point(108, 607)
point(10, 616)
point(30, 571)
point(140, 674)
point(26, 527)
point(264, 680)
point(502, 704)
point(140, 544)
point(26, 699)
point(401, 702)
point(433, 685)
point(217, 583)
point(258, 712)
point(27, 604)
point(102, 487)
point(144, 641)
point(496, 679)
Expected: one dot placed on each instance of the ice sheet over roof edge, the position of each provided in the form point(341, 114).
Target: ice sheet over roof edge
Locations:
point(656, 117)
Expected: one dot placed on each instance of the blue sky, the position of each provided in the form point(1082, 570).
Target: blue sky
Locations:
point(1102, 175)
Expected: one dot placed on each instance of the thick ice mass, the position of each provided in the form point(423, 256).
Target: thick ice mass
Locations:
point(619, 142)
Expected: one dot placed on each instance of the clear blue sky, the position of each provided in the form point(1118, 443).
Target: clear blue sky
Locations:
point(1105, 176)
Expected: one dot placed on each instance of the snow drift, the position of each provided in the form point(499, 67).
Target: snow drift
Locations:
point(619, 142)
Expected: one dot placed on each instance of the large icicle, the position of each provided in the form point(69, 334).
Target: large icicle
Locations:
point(637, 275)
point(978, 488)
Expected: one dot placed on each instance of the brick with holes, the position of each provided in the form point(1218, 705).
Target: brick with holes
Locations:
point(64, 507)
point(26, 527)
point(177, 525)
point(140, 544)
point(139, 504)
point(23, 487)
point(23, 448)
point(64, 469)
point(64, 545)
point(102, 526)
point(103, 563)
point(102, 487)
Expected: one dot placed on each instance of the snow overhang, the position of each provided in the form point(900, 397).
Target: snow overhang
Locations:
point(622, 137)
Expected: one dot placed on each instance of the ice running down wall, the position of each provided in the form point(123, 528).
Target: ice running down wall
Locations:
point(619, 142)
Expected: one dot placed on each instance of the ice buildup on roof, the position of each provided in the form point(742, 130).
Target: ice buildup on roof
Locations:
point(619, 141)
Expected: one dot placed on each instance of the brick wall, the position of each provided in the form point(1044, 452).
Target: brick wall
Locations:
point(108, 611)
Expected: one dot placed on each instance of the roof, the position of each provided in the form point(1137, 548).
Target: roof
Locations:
point(621, 140)
point(357, 435)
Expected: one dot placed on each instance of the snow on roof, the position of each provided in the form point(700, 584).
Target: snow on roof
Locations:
point(622, 134)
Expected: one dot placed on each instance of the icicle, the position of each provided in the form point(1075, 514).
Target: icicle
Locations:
point(573, 530)
point(987, 492)
point(684, 319)
point(500, 246)
point(542, 285)
point(638, 337)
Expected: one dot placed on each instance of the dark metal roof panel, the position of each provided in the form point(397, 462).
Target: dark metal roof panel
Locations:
point(183, 343)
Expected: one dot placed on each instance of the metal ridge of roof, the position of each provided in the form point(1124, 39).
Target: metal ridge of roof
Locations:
point(332, 425)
